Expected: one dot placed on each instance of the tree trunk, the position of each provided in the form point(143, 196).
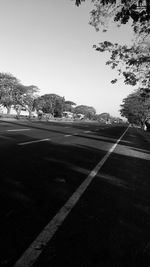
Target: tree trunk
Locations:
point(8, 110)
point(18, 110)
point(30, 113)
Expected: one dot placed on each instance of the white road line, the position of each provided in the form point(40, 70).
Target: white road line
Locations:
point(18, 130)
point(35, 249)
point(67, 135)
point(31, 142)
point(87, 131)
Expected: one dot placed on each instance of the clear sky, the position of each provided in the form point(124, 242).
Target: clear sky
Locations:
point(48, 43)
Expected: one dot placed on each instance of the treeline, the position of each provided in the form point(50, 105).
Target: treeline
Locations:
point(14, 94)
point(21, 97)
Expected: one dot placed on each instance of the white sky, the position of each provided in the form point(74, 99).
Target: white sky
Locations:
point(48, 43)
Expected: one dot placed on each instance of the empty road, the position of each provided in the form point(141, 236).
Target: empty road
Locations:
point(74, 194)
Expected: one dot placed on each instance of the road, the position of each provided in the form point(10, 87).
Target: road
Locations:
point(46, 164)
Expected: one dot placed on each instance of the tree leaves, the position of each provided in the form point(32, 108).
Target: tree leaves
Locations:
point(130, 78)
point(50, 103)
point(136, 106)
point(88, 111)
point(132, 62)
point(12, 92)
point(78, 2)
point(113, 81)
point(121, 11)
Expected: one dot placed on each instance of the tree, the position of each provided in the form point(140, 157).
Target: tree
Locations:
point(132, 63)
point(120, 10)
point(59, 106)
point(13, 93)
point(24, 96)
point(50, 103)
point(8, 85)
point(136, 108)
point(104, 116)
point(89, 112)
point(69, 106)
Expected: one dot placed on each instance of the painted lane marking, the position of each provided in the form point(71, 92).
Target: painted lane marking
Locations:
point(18, 130)
point(87, 131)
point(67, 135)
point(31, 142)
point(35, 249)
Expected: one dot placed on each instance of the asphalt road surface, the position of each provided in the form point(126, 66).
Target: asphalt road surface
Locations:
point(74, 195)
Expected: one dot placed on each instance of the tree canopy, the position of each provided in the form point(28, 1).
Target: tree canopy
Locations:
point(12, 92)
point(105, 116)
point(88, 111)
point(8, 86)
point(136, 107)
point(120, 10)
point(69, 106)
point(50, 103)
point(132, 63)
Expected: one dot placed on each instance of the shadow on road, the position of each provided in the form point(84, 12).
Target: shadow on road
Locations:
point(110, 224)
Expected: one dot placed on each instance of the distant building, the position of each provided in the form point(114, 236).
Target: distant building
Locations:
point(68, 114)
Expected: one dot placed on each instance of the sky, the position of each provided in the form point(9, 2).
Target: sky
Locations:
point(48, 43)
